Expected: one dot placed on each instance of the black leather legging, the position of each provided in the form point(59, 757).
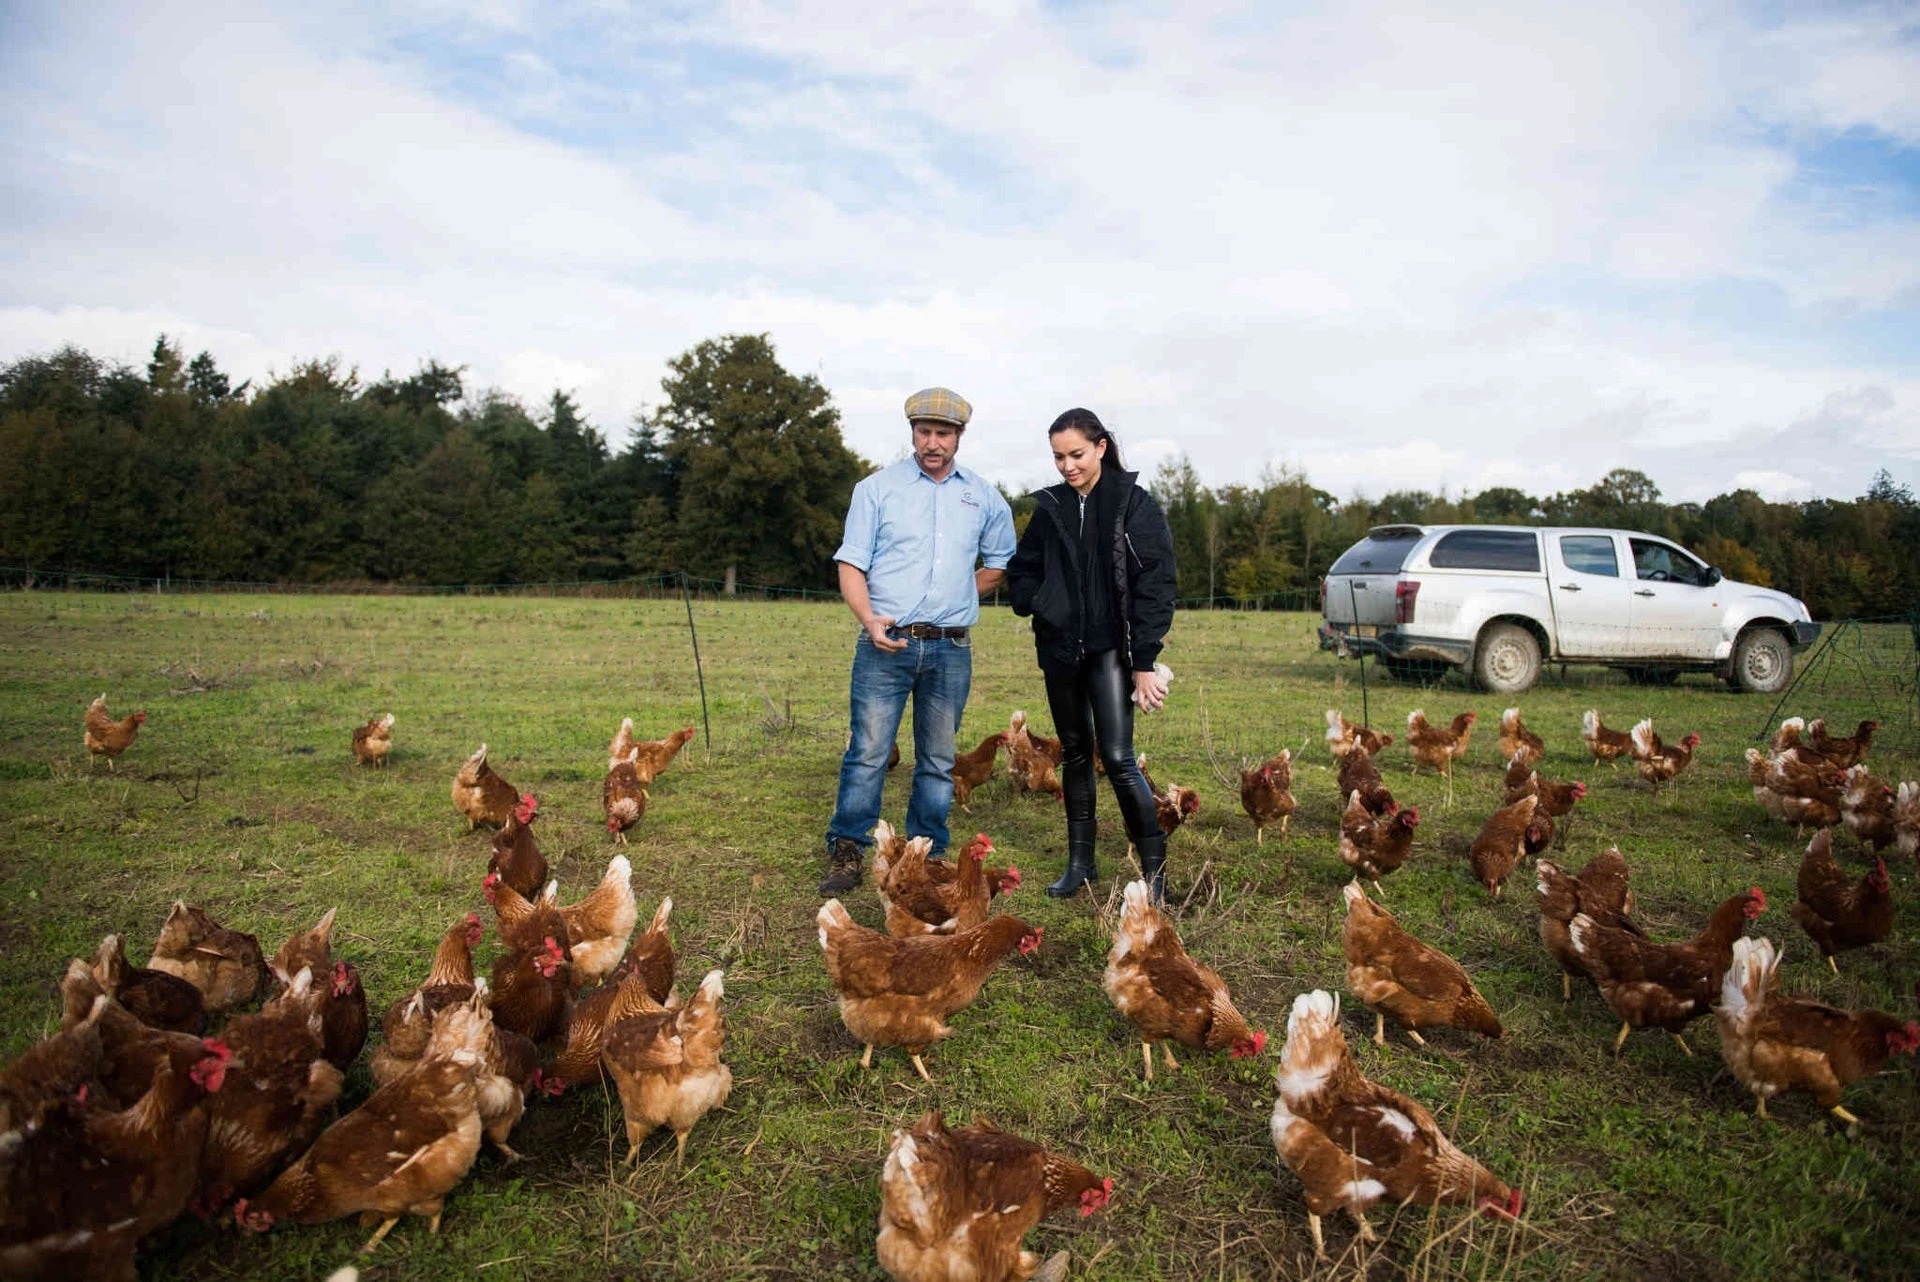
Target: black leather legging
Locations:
point(1096, 702)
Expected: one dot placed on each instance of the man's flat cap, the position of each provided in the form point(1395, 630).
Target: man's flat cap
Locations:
point(938, 405)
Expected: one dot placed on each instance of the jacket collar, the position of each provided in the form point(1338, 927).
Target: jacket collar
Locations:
point(1112, 480)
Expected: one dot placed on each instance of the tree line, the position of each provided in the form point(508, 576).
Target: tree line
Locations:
point(319, 476)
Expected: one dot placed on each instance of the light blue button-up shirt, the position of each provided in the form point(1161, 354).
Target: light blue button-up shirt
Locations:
point(919, 539)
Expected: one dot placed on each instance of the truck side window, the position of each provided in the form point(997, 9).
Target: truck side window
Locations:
point(1658, 563)
point(1487, 550)
point(1590, 554)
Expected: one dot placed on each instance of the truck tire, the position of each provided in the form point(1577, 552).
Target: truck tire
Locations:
point(1762, 662)
point(1507, 660)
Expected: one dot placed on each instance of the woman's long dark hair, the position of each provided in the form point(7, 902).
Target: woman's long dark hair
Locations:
point(1088, 424)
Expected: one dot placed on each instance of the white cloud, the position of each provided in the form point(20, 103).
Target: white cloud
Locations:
point(1781, 487)
point(1396, 250)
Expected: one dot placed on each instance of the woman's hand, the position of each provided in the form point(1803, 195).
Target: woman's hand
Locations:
point(1149, 690)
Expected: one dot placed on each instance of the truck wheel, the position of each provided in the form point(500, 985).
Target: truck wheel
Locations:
point(1508, 659)
point(1762, 662)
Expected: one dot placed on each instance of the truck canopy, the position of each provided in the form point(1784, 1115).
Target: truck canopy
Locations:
point(1383, 551)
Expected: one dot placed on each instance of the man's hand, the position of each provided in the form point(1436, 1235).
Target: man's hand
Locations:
point(853, 590)
point(877, 625)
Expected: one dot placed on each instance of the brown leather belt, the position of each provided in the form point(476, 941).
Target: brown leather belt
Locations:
point(929, 632)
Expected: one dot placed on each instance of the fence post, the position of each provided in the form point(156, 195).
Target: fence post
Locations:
point(706, 724)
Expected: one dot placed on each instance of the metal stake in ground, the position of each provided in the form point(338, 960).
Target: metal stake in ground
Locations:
point(706, 726)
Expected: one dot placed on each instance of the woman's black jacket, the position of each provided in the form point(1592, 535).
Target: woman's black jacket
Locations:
point(1046, 578)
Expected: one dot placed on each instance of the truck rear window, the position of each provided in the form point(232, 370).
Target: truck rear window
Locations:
point(1487, 550)
point(1383, 551)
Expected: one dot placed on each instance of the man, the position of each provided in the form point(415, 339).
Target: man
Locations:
point(914, 533)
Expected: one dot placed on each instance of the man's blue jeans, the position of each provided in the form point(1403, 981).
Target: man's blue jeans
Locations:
point(937, 674)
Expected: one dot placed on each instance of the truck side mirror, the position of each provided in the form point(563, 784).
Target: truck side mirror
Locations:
point(1714, 575)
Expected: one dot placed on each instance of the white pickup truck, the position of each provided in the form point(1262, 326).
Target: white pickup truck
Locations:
point(1501, 600)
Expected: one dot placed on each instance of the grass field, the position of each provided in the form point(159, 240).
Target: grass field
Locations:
point(240, 795)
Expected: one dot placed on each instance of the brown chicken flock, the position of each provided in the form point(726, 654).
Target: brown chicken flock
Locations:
point(166, 1116)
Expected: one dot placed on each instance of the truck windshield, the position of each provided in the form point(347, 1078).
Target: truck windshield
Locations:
point(1383, 551)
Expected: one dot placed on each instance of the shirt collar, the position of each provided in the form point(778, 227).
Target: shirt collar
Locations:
point(954, 473)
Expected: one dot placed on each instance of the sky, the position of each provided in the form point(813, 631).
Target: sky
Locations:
point(1440, 247)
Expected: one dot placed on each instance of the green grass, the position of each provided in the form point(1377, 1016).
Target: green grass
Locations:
point(240, 795)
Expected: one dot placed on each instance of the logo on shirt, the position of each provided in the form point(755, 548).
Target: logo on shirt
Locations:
point(966, 497)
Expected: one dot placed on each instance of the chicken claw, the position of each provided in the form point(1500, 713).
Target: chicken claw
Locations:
point(385, 1228)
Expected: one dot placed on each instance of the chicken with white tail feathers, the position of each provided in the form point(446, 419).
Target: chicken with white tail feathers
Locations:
point(1355, 1143)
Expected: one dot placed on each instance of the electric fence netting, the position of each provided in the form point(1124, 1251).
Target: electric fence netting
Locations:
point(1861, 669)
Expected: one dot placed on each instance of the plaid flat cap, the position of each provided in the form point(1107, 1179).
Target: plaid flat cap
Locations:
point(938, 405)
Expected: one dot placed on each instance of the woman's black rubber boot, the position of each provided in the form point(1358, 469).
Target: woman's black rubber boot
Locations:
point(1153, 863)
point(1080, 867)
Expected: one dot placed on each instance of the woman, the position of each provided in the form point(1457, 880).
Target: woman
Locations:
point(1095, 571)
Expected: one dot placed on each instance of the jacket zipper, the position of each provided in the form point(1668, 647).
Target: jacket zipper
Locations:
point(1120, 575)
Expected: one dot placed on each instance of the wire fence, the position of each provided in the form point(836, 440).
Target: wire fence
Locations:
point(667, 584)
point(1863, 669)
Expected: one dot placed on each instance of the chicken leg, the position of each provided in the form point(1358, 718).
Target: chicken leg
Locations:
point(866, 1057)
point(679, 1149)
point(1566, 987)
point(1841, 1113)
point(920, 1067)
point(1621, 1040)
point(1146, 1057)
point(1379, 1029)
point(1681, 1042)
point(1417, 1039)
point(379, 1233)
point(1319, 1242)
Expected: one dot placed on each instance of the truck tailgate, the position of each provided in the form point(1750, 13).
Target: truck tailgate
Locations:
point(1363, 599)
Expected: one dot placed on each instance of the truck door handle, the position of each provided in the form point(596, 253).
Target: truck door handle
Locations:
point(1644, 592)
point(1569, 587)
